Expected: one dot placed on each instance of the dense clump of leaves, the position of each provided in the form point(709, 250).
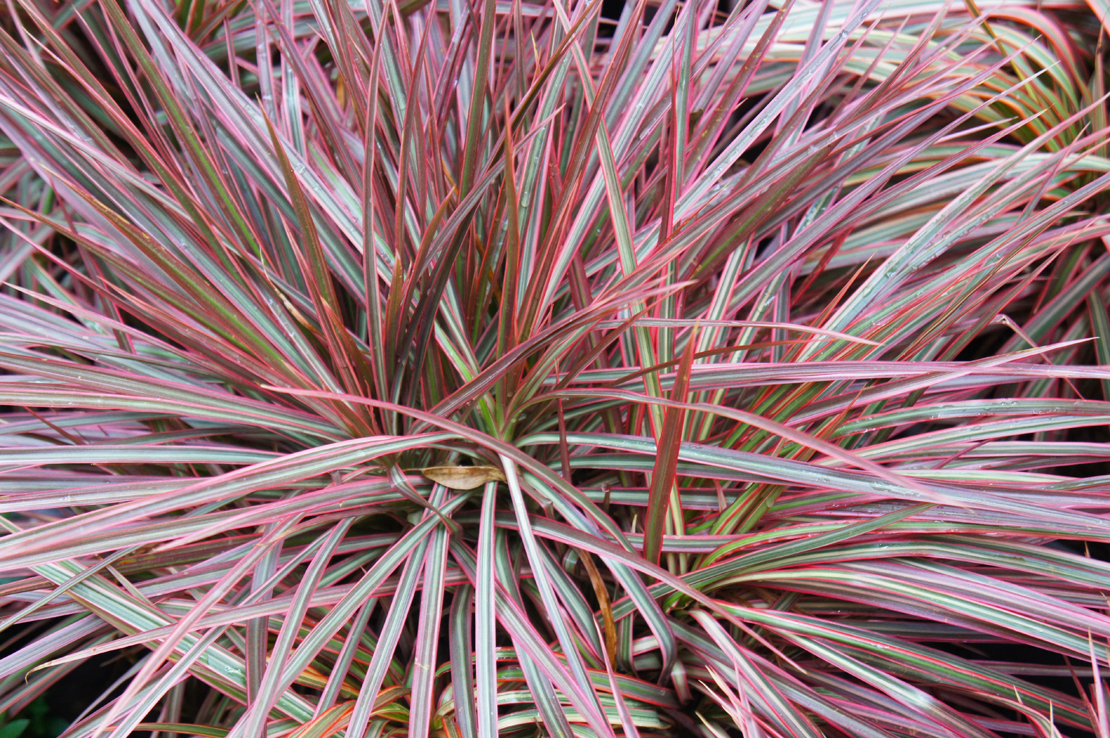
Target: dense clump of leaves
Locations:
point(459, 369)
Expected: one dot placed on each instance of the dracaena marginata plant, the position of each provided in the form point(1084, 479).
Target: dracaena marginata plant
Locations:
point(471, 369)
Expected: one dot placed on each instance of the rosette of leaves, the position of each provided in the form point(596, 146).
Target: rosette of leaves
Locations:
point(472, 369)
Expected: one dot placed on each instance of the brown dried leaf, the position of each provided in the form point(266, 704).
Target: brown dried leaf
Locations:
point(463, 477)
